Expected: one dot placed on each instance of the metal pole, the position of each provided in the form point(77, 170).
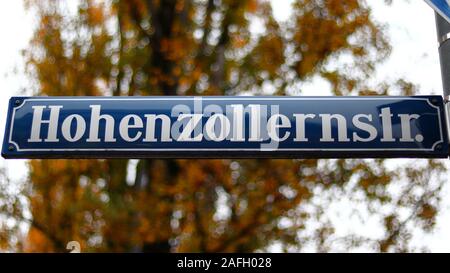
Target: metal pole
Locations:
point(443, 32)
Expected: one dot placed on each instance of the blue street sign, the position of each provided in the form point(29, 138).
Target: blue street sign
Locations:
point(225, 127)
point(442, 7)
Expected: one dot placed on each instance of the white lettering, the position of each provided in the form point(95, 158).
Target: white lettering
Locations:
point(273, 126)
point(52, 124)
point(406, 128)
point(211, 128)
point(386, 120)
point(189, 128)
point(95, 122)
point(151, 124)
point(80, 128)
point(125, 126)
point(369, 128)
point(300, 124)
point(327, 130)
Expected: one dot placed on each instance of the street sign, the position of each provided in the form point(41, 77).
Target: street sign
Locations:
point(226, 127)
point(442, 7)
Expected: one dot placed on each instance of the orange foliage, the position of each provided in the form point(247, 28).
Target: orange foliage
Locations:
point(182, 47)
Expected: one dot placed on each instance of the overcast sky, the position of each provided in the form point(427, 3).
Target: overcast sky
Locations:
point(415, 57)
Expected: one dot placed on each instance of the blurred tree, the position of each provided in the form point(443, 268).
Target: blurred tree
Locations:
point(215, 47)
point(13, 207)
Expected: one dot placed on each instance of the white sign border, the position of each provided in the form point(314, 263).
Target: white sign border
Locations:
point(18, 149)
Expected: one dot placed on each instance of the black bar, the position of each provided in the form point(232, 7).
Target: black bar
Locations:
point(222, 262)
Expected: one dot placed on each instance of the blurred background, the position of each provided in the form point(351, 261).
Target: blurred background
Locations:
point(221, 47)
